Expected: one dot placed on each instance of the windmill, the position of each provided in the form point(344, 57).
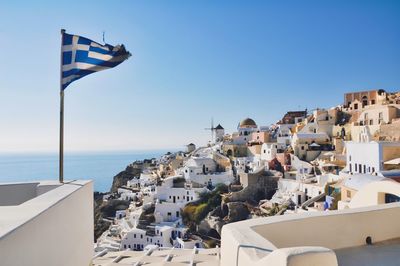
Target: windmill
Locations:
point(212, 129)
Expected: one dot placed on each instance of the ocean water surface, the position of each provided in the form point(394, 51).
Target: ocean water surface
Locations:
point(101, 167)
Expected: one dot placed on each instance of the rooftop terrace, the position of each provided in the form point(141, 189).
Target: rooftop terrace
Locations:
point(52, 224)
point(158, 256)
point(46, 223)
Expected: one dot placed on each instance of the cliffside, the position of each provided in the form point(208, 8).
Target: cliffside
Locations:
point(131, 171)
point(106, 209)
point(100, 225)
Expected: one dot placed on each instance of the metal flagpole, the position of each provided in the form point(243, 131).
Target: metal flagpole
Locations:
point(61, 159)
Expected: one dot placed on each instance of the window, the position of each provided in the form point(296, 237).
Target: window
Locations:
point(169, 214)
point(372, 101)
point(265, 151)
point(391, 198)
point(141, 236)
point(177, 214)
point(348, 193)
point(351, 170)
point(365, 169)
point(380, 120)
point(356, 106)
point(134, 235)
point(350, 158)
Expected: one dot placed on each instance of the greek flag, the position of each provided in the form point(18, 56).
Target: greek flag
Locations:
point(81, 57)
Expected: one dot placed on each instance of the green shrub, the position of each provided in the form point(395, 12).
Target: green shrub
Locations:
point(201, 212)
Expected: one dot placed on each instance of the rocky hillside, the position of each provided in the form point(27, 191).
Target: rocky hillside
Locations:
point(100, 225)
point(104, 210)
point(131, 171)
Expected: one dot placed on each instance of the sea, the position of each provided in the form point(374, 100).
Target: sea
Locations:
point(101, 167)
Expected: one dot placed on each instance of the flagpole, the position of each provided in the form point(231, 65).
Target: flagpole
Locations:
point(61, 159)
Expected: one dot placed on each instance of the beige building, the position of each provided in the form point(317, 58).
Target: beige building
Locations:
point(377, 115)
point(234, 150)
point(354, 183)
point(355, 101)
point(254, 150)
point(307, 146)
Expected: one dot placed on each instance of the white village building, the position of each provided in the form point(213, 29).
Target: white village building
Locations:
point(166, 234)
point(203, 171)
point(371, 157)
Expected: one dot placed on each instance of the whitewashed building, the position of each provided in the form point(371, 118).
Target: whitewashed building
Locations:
point(270, 150)
point(284, 134)
point(370, 157)
point(166, 234)
point(203, 171)
point(245, 128)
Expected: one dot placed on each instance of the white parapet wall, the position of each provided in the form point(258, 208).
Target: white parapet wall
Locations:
point(294, 239)
point(46, 223)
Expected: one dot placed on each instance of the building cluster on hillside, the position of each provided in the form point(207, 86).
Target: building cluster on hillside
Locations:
point(158, 197)
point(347, 156)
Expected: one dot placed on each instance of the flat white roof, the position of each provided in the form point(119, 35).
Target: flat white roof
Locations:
point(358, 181)
point(13, 216)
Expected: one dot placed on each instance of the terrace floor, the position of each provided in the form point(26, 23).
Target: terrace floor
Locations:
point(159, 256)
point(385, 253)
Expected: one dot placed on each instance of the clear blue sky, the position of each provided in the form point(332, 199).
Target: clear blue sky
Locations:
point(191, 61)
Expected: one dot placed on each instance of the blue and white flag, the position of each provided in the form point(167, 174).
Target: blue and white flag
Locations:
point(81, 57)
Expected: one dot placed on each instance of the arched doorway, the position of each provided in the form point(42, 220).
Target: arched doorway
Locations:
point(364, 101)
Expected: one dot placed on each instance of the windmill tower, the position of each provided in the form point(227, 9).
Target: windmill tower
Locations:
point(212, 129)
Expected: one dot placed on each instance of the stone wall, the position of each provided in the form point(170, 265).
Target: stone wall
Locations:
point(390, 132)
